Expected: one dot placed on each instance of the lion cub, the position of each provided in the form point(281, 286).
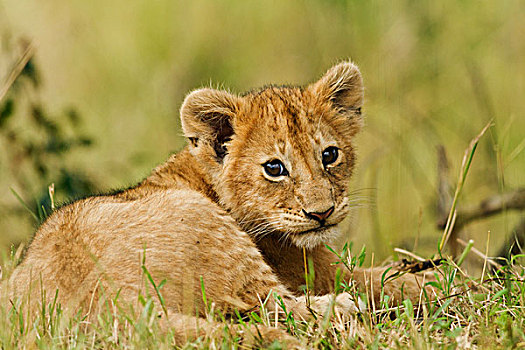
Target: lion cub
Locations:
point(264, 175)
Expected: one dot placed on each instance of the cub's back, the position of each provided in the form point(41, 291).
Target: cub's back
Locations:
point(110, 237)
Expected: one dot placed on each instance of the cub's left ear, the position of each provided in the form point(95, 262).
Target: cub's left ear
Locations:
point(342, 85)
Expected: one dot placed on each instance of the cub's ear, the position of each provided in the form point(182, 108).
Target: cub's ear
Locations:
point(342, 85)
point(206, 117)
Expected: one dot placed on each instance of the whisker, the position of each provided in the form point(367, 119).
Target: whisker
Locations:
point(359, 190)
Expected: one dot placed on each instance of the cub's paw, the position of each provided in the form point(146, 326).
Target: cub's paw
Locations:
point(343, 304)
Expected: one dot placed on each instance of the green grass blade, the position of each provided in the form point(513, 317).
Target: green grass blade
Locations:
point(465, 166)
point(25, 205)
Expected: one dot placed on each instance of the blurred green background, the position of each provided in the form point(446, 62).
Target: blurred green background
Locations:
point(435, 73)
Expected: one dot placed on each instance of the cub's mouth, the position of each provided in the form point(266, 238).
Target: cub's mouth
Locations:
point(320, 229)
point(315, 237)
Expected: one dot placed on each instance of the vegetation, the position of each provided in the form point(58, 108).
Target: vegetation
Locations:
point(35, 153)
point(469, 313)
point(436, 74)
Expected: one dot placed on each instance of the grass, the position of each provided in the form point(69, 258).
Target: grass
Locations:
point(435, 73)
point(465, 166)
point(469, 313)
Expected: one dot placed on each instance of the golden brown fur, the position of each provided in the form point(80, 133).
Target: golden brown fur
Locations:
point(212, 212)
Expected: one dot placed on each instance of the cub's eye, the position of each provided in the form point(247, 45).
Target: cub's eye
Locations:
point(275, 168)
point(330, 155)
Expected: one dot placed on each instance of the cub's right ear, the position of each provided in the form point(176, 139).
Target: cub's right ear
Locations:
point(207, 116)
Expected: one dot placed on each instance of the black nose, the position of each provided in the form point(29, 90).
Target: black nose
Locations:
point(320, 217)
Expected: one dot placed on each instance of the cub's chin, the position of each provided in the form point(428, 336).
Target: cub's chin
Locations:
point(313, 238)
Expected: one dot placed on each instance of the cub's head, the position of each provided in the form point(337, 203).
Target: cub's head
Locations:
point(280, 157)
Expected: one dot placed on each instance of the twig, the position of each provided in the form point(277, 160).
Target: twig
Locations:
point(486, 256)
point(410, 254)
point(17, 69)
point(405, 265)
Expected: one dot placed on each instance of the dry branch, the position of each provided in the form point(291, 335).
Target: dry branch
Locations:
point(412, 266)
point(514, 200)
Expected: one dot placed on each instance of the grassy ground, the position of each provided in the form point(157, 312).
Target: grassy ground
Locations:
point(484, 313)
point(435, 73)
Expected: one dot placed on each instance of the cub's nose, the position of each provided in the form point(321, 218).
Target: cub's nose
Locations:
point(320, 217)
